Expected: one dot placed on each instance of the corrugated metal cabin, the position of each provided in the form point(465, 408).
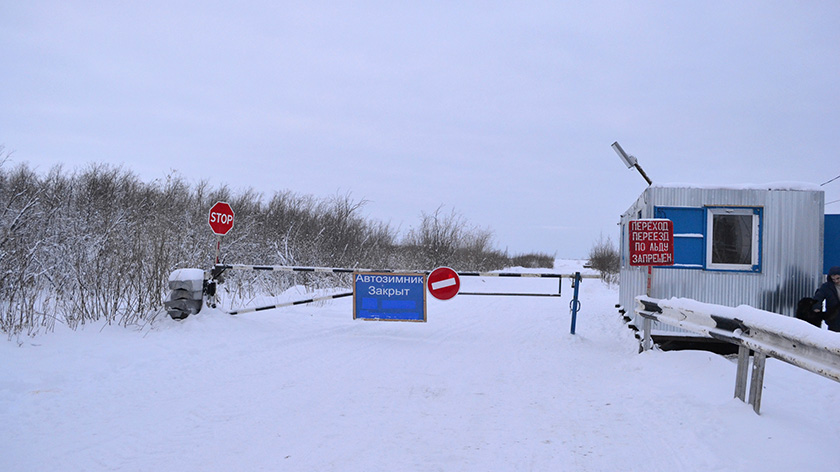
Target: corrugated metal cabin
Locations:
point(760, 246)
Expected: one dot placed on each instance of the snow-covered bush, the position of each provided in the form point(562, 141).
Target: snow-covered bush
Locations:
point(99, 243)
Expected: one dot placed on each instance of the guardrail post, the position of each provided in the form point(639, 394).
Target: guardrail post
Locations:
point(741, 373)
point(757, 381)
point(575, 302)
point(647, 341)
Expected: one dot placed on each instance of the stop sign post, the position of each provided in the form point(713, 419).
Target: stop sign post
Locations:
point(443, 283)
point(221, 221)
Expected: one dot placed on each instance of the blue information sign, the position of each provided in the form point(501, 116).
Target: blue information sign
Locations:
point(389, 296)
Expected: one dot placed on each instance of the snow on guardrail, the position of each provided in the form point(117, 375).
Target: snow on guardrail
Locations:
point(767, 334)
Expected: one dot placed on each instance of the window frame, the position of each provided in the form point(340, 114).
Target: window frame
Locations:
point(755, 238)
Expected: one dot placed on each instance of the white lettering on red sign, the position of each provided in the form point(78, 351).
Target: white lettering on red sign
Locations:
point(652, 259)
point(651, 242)
point(222, 218)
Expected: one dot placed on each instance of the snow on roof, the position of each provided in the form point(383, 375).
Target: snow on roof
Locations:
point(798, 186)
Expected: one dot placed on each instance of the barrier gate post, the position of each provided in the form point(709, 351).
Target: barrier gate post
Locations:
point(575, 302)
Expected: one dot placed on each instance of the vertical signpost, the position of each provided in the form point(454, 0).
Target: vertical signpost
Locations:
point(221, 221)
point(651, 244)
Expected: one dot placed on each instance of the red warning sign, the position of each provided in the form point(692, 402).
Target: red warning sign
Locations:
point(651, 242)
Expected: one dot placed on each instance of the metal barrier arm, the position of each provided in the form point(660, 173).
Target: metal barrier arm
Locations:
point(294, 303)
point(344, 270)
point(220, 268)
point(750, 334)
point(294, 268)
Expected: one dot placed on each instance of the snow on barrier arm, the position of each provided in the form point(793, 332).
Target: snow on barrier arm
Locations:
point(767, 334)
point(340, 270)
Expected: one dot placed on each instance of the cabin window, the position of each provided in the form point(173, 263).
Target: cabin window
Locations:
point(733, 242)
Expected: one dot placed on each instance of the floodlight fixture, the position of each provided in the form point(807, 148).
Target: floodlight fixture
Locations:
point(630, 160)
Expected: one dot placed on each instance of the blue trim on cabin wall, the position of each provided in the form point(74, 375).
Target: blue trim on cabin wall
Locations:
point(689, 235)
point(831, 242)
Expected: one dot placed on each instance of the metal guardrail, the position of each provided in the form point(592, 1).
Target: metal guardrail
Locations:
point(796, 347)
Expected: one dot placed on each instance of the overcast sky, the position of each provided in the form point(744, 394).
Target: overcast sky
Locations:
point(501, 111)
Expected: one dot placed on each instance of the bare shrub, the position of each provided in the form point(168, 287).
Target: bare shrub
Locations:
point(99, 244)
point(445, 239)
point(20, 213)
point(436, 241)
point(534, 260)
point(604, 257)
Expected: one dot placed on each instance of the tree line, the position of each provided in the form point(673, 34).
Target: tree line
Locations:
point(99, 243)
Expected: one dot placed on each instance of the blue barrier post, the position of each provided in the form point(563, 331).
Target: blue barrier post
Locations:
point(575, 302)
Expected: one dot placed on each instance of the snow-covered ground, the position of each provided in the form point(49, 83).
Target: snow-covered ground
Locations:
point(488, 383)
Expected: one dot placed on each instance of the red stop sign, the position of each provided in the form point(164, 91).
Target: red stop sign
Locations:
point(221, 218)
point(443, 283)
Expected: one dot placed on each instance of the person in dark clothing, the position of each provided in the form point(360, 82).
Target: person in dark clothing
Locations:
point(830, 293)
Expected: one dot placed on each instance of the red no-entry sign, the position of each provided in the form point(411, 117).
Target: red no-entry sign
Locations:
point(443, 283)
point(221, 218)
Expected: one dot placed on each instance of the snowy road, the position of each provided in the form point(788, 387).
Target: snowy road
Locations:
point(488, 383)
